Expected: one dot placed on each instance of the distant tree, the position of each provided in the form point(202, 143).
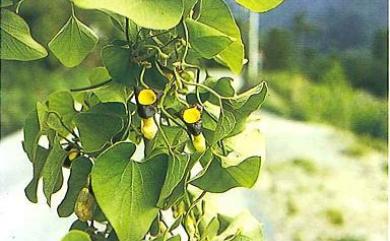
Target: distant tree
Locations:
point(278, 50)
point(380, 45)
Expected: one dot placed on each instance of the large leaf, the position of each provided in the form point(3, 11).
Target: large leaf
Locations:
point(218, 179)
point(216, 14)
point(153, 14)
point(16, 40)
point(73, 42)
point(206, 40)
point(31, 189)
point(76, 235)
point(97, 129)
point(127, 191)
point(116, 58)
point(80, 169)
point(260, 6)
point(52, 170)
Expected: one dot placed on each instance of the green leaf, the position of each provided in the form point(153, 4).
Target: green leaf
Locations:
point(218, 179)
point(80, 169)
point(76, 235)
point(153, 14)
point(97, 129)
point(16, 40)
point(206, 40)
point(260, 6)
point(116, 58)
point(52, 170)
point(31, 189)
point(211, 230)
point(62, 103)
point(244, 104)
point(127, 191)
point(243, 227)
point(111, 92)
point(6, 3)
point(216, 14)
point(177, 166)
point(31, 132)
point(224, 127)
point(73, 42)
point(79, 225)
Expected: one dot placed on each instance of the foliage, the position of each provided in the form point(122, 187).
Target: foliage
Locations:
point(332, 101)
point(148, 95)
point(278, 50)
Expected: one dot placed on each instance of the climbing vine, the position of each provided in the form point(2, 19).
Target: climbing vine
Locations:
point(145, 141)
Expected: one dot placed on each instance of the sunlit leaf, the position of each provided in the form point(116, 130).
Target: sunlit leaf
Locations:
point(73, 42)
point(16, 40)
point(206, 40)
point(216, 13)
point(260, 5)
point(153, 14)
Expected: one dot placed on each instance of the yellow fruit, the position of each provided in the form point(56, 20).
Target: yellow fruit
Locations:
point(149, 128)
point(199, 143)
point(85, 205)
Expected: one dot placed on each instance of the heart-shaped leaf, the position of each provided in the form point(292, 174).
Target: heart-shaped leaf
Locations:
point(127, 191)
point(16, 40)
point(73, 42)
point(97, 129)
point(153, 14)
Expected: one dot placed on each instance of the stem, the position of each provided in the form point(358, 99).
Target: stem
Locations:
point(164, 136)
point(141, 78)
point(127, 31)
point(187, 44)
point(91, 87)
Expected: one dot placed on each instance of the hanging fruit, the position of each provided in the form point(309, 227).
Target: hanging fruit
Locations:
point(193, 119)
point(146, 107)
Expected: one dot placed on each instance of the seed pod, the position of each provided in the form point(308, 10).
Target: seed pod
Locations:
point(192, 118)
point(85, 205)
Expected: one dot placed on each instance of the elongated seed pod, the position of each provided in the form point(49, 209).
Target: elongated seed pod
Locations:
point(85, 205)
